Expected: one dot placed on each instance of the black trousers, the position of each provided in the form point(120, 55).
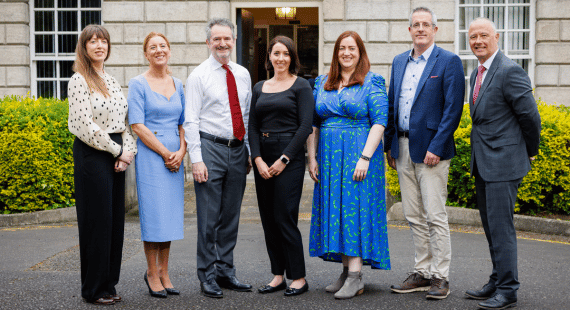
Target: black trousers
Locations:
point(100, 204)
point(496, 203)
point(278, 200)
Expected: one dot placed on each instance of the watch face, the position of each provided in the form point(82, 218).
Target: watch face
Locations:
point(284, 160)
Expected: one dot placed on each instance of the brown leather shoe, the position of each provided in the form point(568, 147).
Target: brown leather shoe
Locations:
point(116, 298)
point(439, 289)
point(414, 283)
point(105, 300)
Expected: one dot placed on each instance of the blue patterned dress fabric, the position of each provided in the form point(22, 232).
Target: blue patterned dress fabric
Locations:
point(160, 192)
point(349, 217)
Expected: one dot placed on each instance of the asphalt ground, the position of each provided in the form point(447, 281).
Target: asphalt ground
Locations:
point(40, 270)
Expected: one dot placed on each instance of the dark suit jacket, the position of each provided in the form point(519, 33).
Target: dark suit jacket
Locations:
point(436, 108)
point(506, 123)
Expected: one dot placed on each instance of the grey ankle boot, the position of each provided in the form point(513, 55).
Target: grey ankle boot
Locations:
point(333, 288)
point(352, 286)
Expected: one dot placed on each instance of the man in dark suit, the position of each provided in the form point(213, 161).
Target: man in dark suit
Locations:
point(427, 87)
point(504, 138)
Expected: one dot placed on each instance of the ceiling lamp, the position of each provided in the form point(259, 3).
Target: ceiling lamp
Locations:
point(285, 13)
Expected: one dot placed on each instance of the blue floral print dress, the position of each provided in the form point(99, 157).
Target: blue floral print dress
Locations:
point(349, 217)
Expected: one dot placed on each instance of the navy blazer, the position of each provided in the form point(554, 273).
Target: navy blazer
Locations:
point(506, 123)
point(436, 108)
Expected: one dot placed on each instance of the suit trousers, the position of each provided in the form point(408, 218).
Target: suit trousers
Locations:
point(424, 193)
point(278, 199)
point(218, 204)
point(100, 205)
point(496, 203)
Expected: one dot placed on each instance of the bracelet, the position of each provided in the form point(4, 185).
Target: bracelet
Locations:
point(121, 152)
point(365, 157)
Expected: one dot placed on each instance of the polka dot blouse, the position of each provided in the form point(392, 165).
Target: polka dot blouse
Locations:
point(92, 117)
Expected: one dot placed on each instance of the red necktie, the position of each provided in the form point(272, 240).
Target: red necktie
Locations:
point(480, 71)
point(237, 119)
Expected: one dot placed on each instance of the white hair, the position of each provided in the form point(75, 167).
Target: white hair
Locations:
point(486, 20)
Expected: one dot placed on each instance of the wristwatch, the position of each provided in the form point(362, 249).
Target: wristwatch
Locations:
point(284, 159)
point(365, 157)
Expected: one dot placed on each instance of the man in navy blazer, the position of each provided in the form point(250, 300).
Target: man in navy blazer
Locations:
point(505, 137)
point(427, 88)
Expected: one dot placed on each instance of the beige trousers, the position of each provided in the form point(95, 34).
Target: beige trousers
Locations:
point(424, 193)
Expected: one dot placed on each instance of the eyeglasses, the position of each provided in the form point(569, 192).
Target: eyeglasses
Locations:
point(425, 25)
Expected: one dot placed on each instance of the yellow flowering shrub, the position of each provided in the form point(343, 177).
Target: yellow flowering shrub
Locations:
point(36, 156)
point(544, 189)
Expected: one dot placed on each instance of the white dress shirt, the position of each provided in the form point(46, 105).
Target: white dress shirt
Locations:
point(487, 65)
point(208, 105)
point(414, 70)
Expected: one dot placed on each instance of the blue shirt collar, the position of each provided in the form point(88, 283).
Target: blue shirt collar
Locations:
point(424, 56)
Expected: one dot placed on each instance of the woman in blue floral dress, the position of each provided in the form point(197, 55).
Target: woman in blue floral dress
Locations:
point(346, 160)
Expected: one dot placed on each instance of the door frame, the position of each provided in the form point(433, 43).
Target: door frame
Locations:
point(273, 4)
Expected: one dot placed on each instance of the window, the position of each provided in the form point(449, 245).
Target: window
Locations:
point(55, 26)
point(515, 24)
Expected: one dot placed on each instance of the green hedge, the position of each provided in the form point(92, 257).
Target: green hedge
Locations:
point(36, 156)
point(546, 187)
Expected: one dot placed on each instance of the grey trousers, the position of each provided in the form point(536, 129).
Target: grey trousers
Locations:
point(218, 204)
point(496, 203)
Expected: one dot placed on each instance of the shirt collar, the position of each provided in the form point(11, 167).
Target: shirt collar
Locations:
point(424, 56)
point(489, 61)
point(216, 64)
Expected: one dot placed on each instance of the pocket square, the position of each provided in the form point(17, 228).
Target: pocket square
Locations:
point(433, 76)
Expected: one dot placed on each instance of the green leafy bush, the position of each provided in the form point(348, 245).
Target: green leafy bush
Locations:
point(545, 189)
point(36, 156)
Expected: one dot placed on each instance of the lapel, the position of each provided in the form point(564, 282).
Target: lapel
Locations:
point(427, 70)
point(496, 64)
point(472, 86)
point(399, 70)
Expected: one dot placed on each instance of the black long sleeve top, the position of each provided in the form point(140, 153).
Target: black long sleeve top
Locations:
point(288, 111)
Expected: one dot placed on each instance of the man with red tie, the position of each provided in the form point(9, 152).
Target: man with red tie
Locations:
point(218, 94)
point(504, 138)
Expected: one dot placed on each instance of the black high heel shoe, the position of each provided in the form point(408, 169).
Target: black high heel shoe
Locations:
point(170, 290)
point(158, 294)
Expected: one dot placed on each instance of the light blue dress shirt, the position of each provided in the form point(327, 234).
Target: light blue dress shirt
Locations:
point(414, 70)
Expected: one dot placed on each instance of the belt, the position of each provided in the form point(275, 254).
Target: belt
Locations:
point(224, 141)
point(405, 134)
point(277, 134)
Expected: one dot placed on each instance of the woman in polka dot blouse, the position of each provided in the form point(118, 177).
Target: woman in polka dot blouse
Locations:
point(102, 151)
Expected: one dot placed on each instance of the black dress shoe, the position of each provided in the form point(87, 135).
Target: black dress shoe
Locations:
point(297, 291)
point(211, 289)
point(484, 293)
point(233, 283)
point(270, 289)
point(498, 301)
point(172, 291)
point(157, 294)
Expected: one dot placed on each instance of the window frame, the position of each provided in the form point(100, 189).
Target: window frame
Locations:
point(504, 33)
point(56, 57)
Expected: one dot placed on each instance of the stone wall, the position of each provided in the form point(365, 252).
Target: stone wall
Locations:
point(14, 47)
point(383, 25)
point(552, 74)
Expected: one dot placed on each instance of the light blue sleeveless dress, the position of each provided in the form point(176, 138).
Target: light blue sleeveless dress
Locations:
point(349, 217)
point(160, 192)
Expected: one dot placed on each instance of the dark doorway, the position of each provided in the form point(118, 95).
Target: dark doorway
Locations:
point(257, 26)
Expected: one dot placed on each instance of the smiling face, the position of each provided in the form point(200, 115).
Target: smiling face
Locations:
point(97, 49)
point(484, 41)
point(221, 43)
point(157, 51)
point(348, 54)
point(422, 30)
point(280, 58)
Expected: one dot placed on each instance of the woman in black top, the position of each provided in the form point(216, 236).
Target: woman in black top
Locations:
point(279, 124)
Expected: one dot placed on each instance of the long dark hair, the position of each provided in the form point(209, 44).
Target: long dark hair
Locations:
point(84, 65)
point(361, 69)
point(295, 65)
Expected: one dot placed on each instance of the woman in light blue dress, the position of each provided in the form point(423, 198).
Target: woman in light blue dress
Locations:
point(156, 114)
point(348, 221)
